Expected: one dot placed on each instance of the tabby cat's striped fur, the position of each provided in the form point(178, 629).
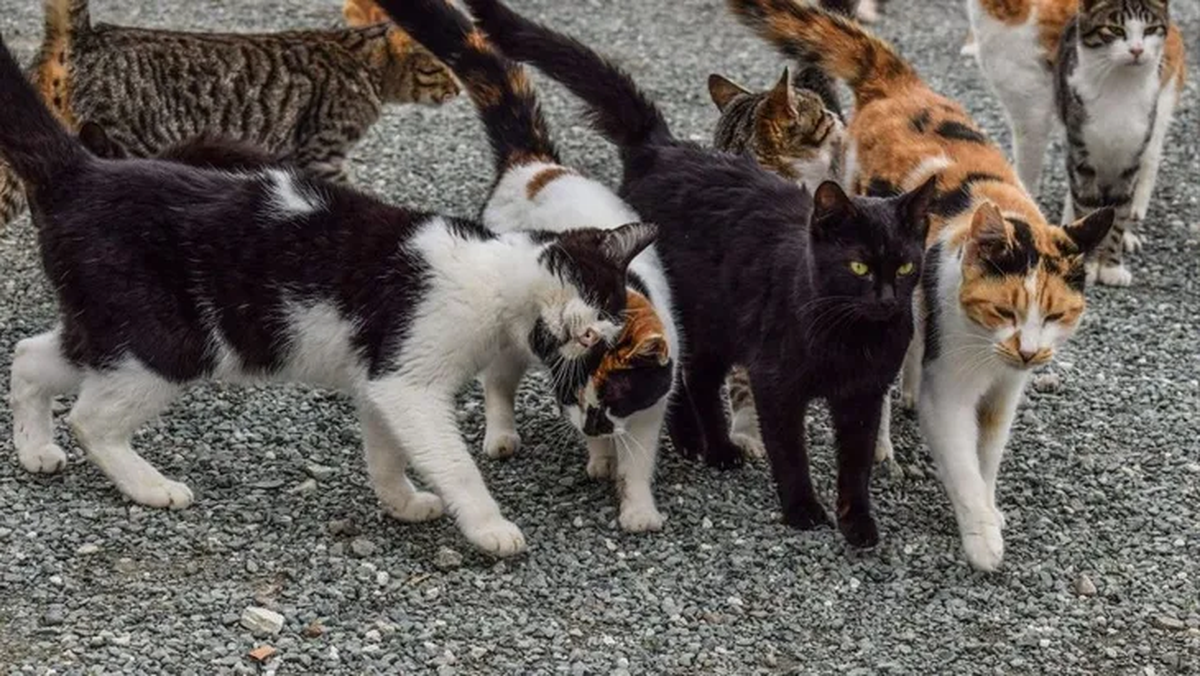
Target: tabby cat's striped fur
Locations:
point(305, 96)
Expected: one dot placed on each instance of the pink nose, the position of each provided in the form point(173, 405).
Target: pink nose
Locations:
point(1027, 356)
point(1137, 51)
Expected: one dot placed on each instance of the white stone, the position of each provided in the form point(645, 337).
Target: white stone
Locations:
point(261, 620)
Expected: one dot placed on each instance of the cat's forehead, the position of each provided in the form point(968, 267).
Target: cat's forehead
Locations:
point(1118, 11)
point(1030, 255)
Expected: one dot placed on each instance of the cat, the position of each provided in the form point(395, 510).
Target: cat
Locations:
point(1002, 289)
point(625, 400)
point(309, 96)
point(167, 275)
point(1113, 71)
point(204, 152)
point(813, 294)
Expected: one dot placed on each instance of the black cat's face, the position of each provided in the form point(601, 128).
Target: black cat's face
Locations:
point(867, 252)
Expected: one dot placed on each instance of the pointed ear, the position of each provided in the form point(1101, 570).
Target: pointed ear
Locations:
point(623, 244)
point(988, 233)
point(830, 203)
point(1087, 233)
point(96, 140)
point(917, 204)
point(782, 97)
point(723, 90)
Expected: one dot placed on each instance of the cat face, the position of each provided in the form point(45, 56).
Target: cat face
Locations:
point(867, 252)
point(633, 376)
point(1022, 288)
point(1125, 32)
point(582, 320)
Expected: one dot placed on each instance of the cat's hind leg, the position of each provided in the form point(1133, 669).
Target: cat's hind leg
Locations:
point(422, 419)
point(704, 380)
point(112, 405)
point(386, 463)
point(1150, 161)
point(500, 382)
point(637, 452)
point(743, 429)
point(40, 372)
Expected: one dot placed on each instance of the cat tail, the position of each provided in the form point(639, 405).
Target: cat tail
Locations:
point(66, 19)
point(836, 44)
point(813, 77)
point(32, 141)
point(618, 109)
point(499, 88)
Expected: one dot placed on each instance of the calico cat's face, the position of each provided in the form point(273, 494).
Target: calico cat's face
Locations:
point(1125, 32)
point(582, 320)
point(633, 376)
point(787, 129)
point(1022, 288)
point(867, 253)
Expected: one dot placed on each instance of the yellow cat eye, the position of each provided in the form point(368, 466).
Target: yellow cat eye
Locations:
point(1116, 30)
point(859, 268)
point(905, 269)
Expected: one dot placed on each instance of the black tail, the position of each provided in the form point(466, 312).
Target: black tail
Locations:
point(618, 108)
point(32, 141)
point(499, 87)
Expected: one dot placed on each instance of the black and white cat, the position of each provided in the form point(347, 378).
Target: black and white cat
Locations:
point(166, 274)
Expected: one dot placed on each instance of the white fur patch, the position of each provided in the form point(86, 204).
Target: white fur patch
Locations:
point(289, 199)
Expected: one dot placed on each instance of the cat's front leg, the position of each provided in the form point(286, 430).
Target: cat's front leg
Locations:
point(500, 381)
point(683, 423)
point(949, 425)
point(704, 381)
point(995, 414)
point(636, 455)
point(422, 420)
point(781, 417)
point(386, 464)
point(856, 424)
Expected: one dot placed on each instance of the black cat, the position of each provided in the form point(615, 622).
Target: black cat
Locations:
point(814, 309)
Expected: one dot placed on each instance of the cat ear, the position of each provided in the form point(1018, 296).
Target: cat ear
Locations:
point(917, 204)
point(830, 206)
point(96, 140)
point(989, 232)
point(782, 98)
point(1087, 233)
point(655, 347)
point(723, 90)
point(622, 245)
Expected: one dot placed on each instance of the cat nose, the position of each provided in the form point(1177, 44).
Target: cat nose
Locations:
point(1027, 355)
point(887, 292)
point(1137, 51)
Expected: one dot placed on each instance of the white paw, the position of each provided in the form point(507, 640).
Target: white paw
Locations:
point(1115, 275)
point(1133, 242)
point(600, 466)
point(46, 459)
point(752, 446)
point(984, 546)
point(161, 493)
point(420, 506)
point(498, 537)
point(640, 519)
point(501, 444)
point(884, 450)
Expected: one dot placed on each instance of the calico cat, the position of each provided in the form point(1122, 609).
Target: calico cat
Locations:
point(625, 398)
point(812, 294)
point(307, 96)
point(1113, 70)
point(1002, 289)
point(166, 275)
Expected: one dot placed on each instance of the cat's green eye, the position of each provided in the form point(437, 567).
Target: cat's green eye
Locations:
point(859, 268)
point(1116, 30)
point(905, 269)
point(1155, 30)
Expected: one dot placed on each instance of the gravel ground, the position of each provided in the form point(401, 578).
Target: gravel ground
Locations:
point(1100, 487)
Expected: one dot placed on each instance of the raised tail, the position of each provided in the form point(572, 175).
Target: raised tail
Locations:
point(32, 141)
point(836, 44)
point(618, 108)
point(66, 18)
point(499, 87)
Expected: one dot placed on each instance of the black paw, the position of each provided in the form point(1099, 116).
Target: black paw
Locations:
point(724, 456)
point(807, 516)
point(859, 529)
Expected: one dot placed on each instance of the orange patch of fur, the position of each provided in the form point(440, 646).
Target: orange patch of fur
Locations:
point(544, 178)
point(642, 337)
point(1011, 12)
point(366, 12)
point(54, 81)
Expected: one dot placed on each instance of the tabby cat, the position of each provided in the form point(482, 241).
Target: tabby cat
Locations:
point(269, 275)
point(306, 96)
point(625, 398)
point(812, 293)
point(1113, 70)
point(1002, 288)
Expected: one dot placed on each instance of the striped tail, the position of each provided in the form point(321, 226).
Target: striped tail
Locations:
point(499, 87)
point(618, 108)
point(66, 18)
point(832, 42)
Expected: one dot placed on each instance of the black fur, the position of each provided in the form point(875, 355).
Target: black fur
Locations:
point(957, 131)
point(755, 282)
point(929, 290)
point(204, 152)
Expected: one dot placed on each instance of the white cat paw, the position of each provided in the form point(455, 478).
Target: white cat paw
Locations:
point(984, 547)
point(600, 466)
point(46, 459)
point(1133, 242)
point(419, 506)
point(498, 537)
point(640, 519)
point(501, 444)
point(161, 493)
point(884, 450)
point(752, 446)
point(1115, 275)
